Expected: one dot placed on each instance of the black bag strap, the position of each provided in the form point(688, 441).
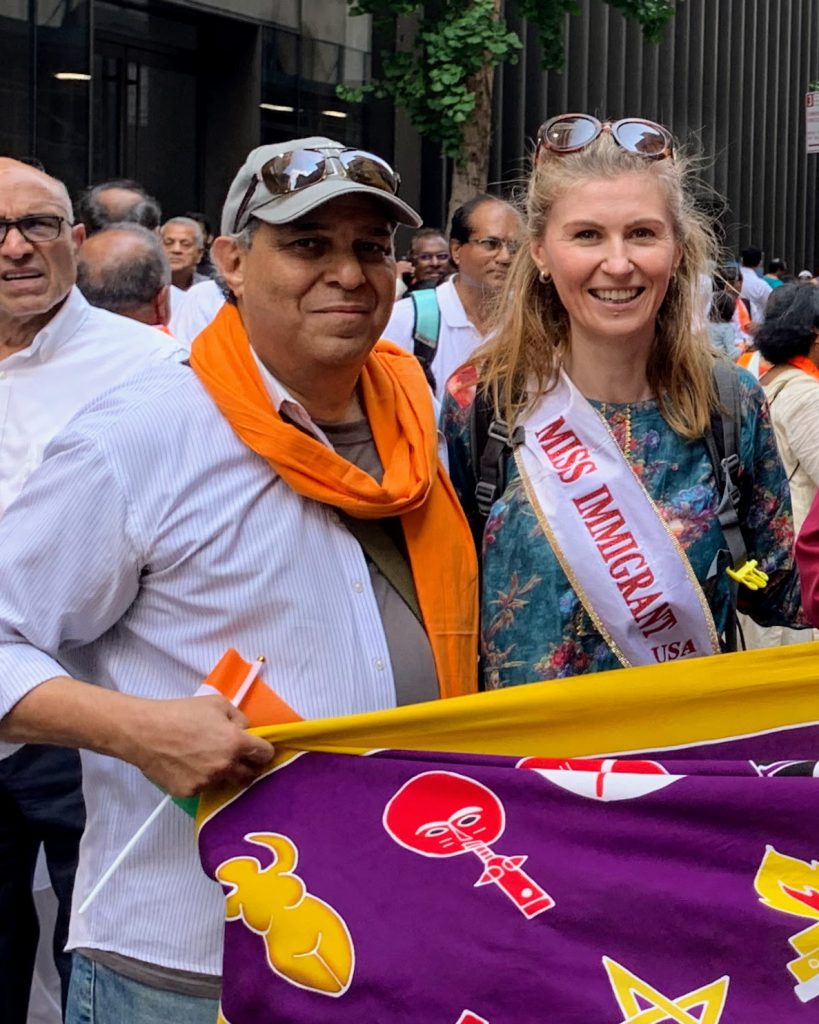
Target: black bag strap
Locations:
point(491, 444)
point(722, 442)
point(386, 556)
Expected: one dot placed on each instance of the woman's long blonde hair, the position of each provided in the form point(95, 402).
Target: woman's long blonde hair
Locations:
point(531, 336)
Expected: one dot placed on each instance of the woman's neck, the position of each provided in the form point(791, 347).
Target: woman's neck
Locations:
point(612, 370)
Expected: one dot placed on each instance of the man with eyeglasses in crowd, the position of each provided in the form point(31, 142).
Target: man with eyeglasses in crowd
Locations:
point(426, 265)
point(484, 236)
point(429, 256)
point(308, 528)
point(56, 354)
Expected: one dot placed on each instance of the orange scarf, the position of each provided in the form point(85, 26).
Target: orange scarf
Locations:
point(805, 364)
point(398, 405)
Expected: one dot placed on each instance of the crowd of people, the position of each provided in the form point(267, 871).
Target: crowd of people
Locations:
point(542, 460)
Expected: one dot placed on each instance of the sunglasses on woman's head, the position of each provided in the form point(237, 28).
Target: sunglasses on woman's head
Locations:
point(569, 133)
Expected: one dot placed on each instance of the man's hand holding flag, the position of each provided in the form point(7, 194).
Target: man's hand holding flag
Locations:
point(252, 703)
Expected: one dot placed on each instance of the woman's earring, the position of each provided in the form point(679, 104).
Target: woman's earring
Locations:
point(543, 277)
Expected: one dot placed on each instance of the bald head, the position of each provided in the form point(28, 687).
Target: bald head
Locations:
point(124, 269)
point(14, 174)
point(115, 202)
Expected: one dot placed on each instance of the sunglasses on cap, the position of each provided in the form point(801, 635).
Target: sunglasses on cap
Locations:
point(569, 133)
point(300, 168)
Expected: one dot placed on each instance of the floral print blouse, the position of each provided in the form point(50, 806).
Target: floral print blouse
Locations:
point(534, 627)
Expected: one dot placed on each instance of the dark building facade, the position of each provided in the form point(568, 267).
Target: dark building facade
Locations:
point(175, 92)
point(729, 80)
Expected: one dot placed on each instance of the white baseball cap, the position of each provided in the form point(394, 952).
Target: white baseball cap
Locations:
point(280, 183)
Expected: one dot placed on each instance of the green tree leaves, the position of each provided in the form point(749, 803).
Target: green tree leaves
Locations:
point(431, 82)
point(434, 82)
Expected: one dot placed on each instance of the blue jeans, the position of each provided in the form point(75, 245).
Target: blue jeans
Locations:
point(98, 995)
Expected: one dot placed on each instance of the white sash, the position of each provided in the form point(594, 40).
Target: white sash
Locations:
point(624, 564)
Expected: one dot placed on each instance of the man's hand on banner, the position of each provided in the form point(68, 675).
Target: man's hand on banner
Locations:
point(188, 744)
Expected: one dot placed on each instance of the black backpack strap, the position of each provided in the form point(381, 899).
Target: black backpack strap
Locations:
point(722, 441)
point(491, 444)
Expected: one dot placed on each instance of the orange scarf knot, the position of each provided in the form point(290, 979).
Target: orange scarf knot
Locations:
point(398, 406)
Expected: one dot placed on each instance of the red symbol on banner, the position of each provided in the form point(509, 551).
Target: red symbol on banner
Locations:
point(602, 778)
point(443, 814)
point(468, 1017)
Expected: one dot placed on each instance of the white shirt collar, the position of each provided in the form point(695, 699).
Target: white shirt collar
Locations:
point(284, 402)
point(66, 321)
point(452, 309)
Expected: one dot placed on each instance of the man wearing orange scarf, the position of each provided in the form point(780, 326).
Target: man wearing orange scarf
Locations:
point(281, 495)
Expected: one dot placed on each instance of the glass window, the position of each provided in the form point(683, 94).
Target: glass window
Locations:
point(63, 79)
point(299, 78)
point(15, 59)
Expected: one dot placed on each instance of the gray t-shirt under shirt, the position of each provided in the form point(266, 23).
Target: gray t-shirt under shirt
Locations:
point(410, 652)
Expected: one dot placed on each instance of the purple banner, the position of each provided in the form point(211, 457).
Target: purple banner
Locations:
point(405, 888)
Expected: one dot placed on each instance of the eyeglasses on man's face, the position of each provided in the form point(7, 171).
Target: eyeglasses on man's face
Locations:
point(35, 228)
point(430, 257)
point(494, 245)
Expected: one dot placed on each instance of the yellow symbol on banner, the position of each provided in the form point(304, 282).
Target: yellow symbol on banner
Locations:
point(632, 994)
point(308, 943)
point(792, 886)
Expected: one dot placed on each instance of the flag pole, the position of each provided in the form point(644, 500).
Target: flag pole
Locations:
point(236, 701)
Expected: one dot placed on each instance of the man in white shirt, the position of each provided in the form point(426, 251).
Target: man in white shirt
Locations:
point(245, 504)
point(184, 241)
point(124, 269)
point(755, 291)
point(484, 236)
point(56, 354)
point(195, 309)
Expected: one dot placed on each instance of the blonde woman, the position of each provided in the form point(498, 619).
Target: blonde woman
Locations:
point(603, 549)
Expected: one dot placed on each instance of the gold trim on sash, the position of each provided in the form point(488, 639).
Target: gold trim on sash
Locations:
point(689, 569)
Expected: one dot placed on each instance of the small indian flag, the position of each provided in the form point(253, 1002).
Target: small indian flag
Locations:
point(240, 682)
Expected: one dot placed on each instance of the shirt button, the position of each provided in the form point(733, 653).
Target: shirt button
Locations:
point(2, 374)
point(358, 586)
point(379, 664)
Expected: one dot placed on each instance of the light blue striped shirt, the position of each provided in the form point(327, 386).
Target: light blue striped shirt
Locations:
point(149, 541)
